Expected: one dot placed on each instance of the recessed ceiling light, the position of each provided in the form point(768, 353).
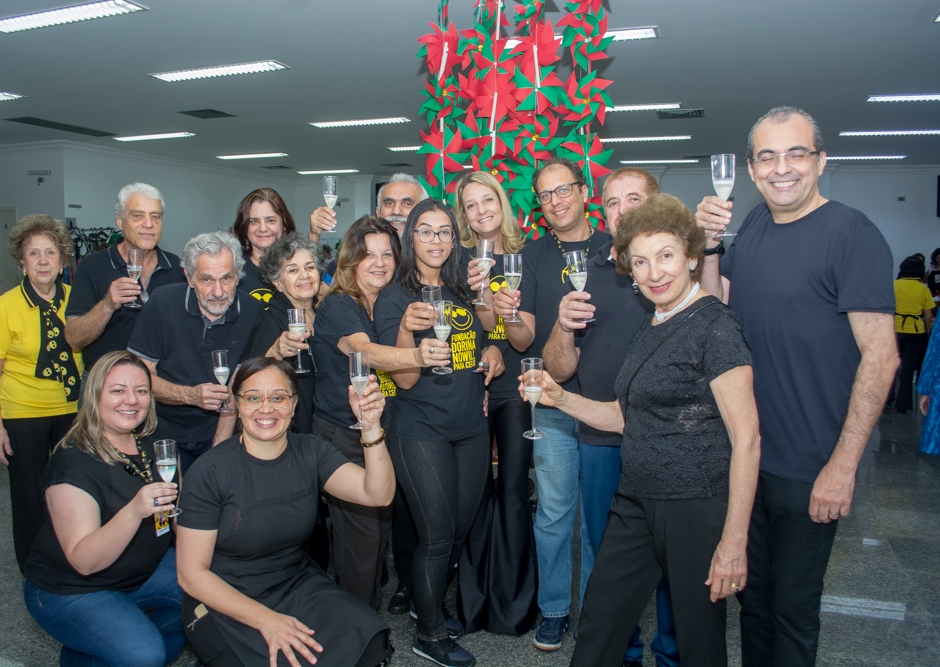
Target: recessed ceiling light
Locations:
point(404, 149)
point(643, 107)
point(929, 97)
point(865, 157)
point(890, 133)
point(359, 123)
point(628, 34)
point(250, 156)
point(659, 162)
point(620, 140)
point(72, 14)
point(4, 97)
point(148, 137)
point(327, 172)
point(221, 70)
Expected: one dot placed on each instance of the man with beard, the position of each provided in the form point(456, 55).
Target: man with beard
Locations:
point(176, 333)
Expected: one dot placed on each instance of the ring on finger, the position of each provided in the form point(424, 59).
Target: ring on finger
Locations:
point(735, 587)
point(156, 502)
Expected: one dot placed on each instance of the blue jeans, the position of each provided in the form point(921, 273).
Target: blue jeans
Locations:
point(557, 468)
point(600, 477)
point(111, 627)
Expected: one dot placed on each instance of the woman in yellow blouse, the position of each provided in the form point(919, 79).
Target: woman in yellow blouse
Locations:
point(913, 316)
point(40, 375)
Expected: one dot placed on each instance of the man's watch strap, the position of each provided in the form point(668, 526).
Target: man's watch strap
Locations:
point(717, 250)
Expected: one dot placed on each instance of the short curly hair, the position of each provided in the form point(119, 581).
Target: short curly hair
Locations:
point(283, 249)
point(43, 225)
point(660, 214)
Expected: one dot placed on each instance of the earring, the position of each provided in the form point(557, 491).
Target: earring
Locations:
point(636, 288)
point(692, 264)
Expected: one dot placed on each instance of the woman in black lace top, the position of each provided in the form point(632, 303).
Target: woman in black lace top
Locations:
point(690, 450)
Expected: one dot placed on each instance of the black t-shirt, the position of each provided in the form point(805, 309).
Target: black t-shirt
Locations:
point(675, 444)
point(933, 282)
point(545, 282)
point(112, 487)
point(93, 280)
point(252, 283)
point(173, 332)
point(604, 343)
point(271, 323)
point(792, 287)
point(505, 386)
point(437, 407)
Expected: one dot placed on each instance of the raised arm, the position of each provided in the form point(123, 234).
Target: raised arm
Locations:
point(713, 214)
point(602, 416)
point(418, 317)
point(87, 328)
point(208, 395)
point(391, 359)
point(560, 354)
point(835, 485)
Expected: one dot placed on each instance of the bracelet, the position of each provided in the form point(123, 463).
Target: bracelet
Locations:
point(379, 441)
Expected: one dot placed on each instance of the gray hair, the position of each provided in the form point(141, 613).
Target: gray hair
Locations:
point(401, 177)
point(782, 115)
point(147, 191)
point(212, 244)
point(272, 262)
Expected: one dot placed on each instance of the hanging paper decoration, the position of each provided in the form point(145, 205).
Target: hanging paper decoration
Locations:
point(492, 106)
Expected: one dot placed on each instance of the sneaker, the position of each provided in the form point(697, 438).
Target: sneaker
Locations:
point(444, 651)
point(551, 630)
point(452, 624)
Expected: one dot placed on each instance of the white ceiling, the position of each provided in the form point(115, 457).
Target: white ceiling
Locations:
point(356, 59)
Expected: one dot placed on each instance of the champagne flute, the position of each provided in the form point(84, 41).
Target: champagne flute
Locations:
point(442, 324)
point(512, 269)
point(431, 293)
point(486, 260)
point(577, 273)
point(164, 452)
point(329, 193)
point(221, 370)
point(532, 381)
point(359, 370)
point(135, 266)
point(297, 324)
point(723, 178)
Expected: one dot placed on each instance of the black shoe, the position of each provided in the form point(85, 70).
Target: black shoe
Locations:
point(452, 624)
point(632, 663)
point(444, 651)
point(401, 600)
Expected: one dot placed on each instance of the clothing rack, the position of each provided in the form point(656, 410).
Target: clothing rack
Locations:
point(86, 241)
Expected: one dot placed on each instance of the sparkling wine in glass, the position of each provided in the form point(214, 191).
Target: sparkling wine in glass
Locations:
point(297, 324)
point(532, 382)
point(135, 266)
point(484, 259)
point(329, 192)
point(359, 369)
point(723, 178)
point(442, 325)
point(221, 370)
point(512, 269)
point(577, 272)
point(164, 452)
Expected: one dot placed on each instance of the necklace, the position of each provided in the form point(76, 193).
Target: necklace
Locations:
point(661, 317)
point(587, 249)
point(145, 474)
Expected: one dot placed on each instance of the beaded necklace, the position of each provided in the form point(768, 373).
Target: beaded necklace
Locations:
point(587, 249)
point(145, 474)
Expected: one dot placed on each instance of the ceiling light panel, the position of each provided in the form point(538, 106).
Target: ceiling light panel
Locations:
point(865, 157)
point(72, 14)
point(629, 34)
point(659, 162)
point(643, 107)
point(221, 70)
point(149, 137)
point(6, 97)
point(622, 140)
point(404, 149)
point(890, 133)
point(328, 172)
point(251, 156)
point(362, 122)
point(928, 97)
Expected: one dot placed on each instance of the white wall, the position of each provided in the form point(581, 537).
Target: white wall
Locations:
point(24, 193)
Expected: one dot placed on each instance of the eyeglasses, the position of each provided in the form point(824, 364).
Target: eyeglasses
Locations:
point(425, 235)
point(563, 192)
point(769, 159)
point(280, 401)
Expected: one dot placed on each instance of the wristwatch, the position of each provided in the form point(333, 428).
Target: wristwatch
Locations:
point(717, 250)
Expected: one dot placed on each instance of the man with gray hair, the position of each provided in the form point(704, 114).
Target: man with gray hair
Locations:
point(813, 290)
point(395, 200)
point(105, 302)
point(178, 330)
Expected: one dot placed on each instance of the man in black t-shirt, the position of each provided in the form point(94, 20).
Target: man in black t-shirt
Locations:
point(97, 319)
point(820, 323)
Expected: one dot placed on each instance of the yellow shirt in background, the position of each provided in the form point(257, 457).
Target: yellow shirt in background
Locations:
point(911, 299)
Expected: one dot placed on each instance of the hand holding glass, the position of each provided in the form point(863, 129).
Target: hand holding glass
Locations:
point(329, 192)
point(221, 370)
point(577, 273)
point(297, 325)
point(512, 269)
point(532, 382)
point(135, 266)
point(442, 325)
point(485, 261)
point(164, 452)
point(723, 178)
point(359, 369)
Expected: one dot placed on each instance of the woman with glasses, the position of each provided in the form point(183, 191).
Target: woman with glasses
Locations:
point(497, 573)
point(248, 505)
point(440, 443)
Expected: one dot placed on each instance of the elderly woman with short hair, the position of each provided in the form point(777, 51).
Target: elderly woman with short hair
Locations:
point(40, 375)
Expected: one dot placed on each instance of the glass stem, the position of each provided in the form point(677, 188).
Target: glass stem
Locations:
point(533, 417)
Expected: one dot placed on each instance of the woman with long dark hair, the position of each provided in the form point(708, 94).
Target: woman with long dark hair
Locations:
point(262, 218)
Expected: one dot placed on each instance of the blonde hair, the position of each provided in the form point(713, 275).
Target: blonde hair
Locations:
point(512, 235)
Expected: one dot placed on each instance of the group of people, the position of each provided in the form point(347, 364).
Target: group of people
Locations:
point(709, 436)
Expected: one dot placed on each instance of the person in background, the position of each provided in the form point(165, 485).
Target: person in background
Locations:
point(933, 278)
point(928, 384)
point(97, 317)
point(497, 569)
point(40, 373)
point(261, 219)
point(913, 317)
point(102, 576)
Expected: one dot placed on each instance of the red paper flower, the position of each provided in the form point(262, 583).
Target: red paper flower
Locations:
point(436, 45)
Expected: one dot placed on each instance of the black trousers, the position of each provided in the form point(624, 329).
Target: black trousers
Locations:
point(32, 440)
point(911, 348)
point(404, 537)
point(787, 555)
point(360, 534)
point(647, 540)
